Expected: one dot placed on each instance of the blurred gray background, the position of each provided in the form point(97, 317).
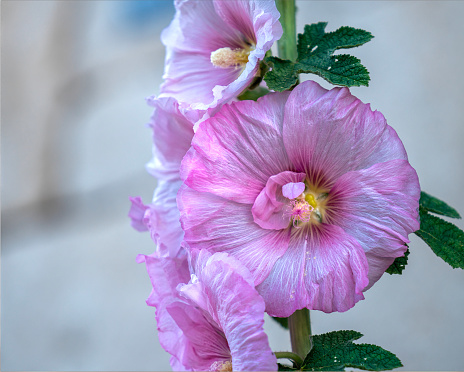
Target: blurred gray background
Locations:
point(74, 78)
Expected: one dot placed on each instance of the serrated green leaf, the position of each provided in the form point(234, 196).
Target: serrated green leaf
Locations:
point(399, 264)
point(310, 38)
point(434, 205)
point(315, 55)
point(321, 354)
point(372, 358)
point(341, 69)
point(445, 239)
point(282, 321)
point(334, 338)
point(283, 75)
point(334, 351)
point(314, 40)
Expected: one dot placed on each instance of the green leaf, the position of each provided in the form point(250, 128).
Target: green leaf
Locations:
point(315, 55)
point(341, 69)
point(399, 264)
point(336, 338)
point(445, 239)
point(282, 321)
point(334, 351)
point(283, 75)
point(315, 42)
point(434, 205)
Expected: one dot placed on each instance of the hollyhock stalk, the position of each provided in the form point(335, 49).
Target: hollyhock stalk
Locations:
point(286, 45)
point(299, 322)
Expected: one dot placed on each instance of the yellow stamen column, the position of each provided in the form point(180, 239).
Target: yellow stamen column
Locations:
point(226, 57)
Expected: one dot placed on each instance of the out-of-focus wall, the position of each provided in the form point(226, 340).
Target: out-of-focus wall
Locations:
point(74, 78)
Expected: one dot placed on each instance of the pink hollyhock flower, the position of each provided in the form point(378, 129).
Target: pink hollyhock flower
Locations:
point(213, 49)
point(213, 323)
point(165, 274)
point(172, 134)
point(310, 189)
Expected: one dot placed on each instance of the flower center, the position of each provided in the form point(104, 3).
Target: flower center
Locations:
point(221, 366)
point(309, 206)
point(226, 57)
point(300, 211)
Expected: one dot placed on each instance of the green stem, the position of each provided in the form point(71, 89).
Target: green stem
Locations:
point(287, 44)
point(289, 355)
point(299, 325)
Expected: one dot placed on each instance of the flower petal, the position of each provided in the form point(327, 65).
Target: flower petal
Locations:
point(137, 212)
point(379, 207)
point(162, 218)
point(237, 308)
point(203, 342)
point(216, 224)
point(165, 275)
point(172, 135)
point(234, 153)
point(322, 129)
point(326, 270)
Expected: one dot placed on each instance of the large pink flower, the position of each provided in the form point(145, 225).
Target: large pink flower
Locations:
point(213, 323)
point(172, 134)
point(213, 49)
point(310, 189)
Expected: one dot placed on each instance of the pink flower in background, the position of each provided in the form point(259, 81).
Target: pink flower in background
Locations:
point(172, 134)
point(213, 323)
point(213, 49)
point(310, 189)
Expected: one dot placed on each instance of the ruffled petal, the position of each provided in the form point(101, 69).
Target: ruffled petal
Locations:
point(176, 365)
point(332, 132)
point(165, 275)
point(137, 212)
point(257, 20)
point(204, 343)
point(237, 308)
point(234, 153)
point(217, 224)
point(379, 207)
point(162, 218)
point(172, 135)
point(324, 270)
point(197, 28)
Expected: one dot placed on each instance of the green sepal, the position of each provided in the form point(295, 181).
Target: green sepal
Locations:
point(315, 55)
point(399, 264)
point(434, 205)
point(282, 321)
point(334, 351)
point(445, 239)
point(253, 94)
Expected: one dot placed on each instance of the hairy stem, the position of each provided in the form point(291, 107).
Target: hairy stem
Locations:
point(299, 325)
point(287, 44)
